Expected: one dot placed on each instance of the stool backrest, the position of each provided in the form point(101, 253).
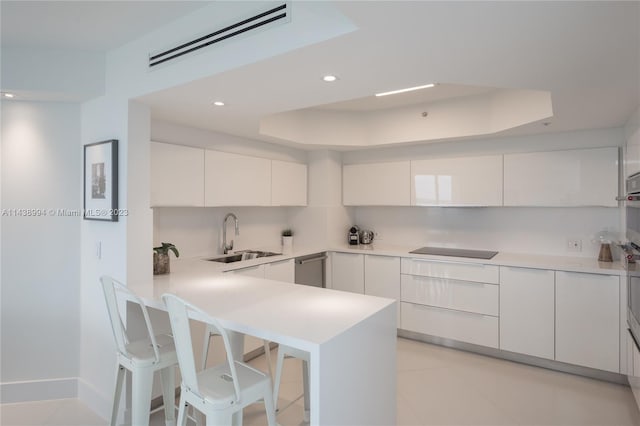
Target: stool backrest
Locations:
point(179, 313)
point(113, 290)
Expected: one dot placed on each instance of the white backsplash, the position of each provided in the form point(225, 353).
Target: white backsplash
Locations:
point(513, 229)
point(197, 231)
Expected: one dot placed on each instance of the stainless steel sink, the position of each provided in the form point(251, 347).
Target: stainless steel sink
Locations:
point(243, 255)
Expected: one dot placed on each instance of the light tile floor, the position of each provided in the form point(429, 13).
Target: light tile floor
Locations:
point(436, 386)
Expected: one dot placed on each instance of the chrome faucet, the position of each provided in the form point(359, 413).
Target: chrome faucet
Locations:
point(226, 247)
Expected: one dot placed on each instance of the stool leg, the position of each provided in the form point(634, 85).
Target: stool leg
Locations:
point(141, 386)
point(267, 355)
point(167, 376)
point(182, 411)
point(205, 348)
point(305, 383)
point(269, 406)
point(117, 393)
point(276, 387)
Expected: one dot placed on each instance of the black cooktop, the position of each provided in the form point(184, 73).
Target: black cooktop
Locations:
point(443, 251)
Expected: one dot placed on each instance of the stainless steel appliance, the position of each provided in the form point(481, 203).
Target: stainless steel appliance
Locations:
point(366, 236)
point(310, 270)
point(354, 235)
point(632, 254)
point(445, 251)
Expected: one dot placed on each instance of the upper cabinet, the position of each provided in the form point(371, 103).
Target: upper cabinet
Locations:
point(177, 175)
point(288, 183)
point(376, 184)
point(584, 177)
point(186, 176)
point(469, 181)
point(236, 180)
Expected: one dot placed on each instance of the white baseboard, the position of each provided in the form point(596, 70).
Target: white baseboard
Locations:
point(95, 400)
point(38, 390)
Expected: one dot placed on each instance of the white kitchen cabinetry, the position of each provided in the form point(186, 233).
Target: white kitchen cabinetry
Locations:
point(347, 272)
point(382, 278)
point(527, 309)
point(177, 175)
point(587, 320)
point(583, 177)
point(376, 184)
point(283, 270)
point(288, 183)
point(450, 300)
point(236, 180)
point(469, 181)
point(251, 271)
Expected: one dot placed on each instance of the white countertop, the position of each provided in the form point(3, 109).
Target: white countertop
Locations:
point(560, 263)
point(535, 261)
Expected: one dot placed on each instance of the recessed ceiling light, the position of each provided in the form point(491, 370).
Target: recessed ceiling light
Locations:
point(409, 89)
point(8, 95)
point(329, 78)
point(218, 103)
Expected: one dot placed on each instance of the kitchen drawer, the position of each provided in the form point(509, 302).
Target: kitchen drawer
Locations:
point(466, 296)
point(476, 272)
point(462, 326)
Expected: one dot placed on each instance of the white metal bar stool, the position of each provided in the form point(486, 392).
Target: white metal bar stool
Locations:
point(142, 358)
point(288, 351)
point(220, 391)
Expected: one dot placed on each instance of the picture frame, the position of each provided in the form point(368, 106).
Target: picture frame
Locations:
point(101, 181)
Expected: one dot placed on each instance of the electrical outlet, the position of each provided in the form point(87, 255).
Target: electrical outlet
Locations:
point(574, 245)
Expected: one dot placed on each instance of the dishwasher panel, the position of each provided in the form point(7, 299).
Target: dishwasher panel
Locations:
point(310, 270)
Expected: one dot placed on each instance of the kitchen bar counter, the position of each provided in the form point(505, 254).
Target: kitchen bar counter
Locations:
point(351, 338)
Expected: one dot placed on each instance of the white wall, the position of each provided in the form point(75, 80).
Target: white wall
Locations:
point(102, 119)
point(40, 314)
point(513, 229)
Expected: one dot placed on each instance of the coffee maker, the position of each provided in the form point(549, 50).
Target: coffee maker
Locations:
point(353, 236)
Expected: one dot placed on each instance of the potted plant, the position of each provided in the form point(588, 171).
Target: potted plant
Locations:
point(161, 258)
point(287, 240)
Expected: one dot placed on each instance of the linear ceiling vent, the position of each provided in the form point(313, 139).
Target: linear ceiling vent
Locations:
point(276, 15)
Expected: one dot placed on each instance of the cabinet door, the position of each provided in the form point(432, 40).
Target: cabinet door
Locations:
point(587, 321)
point(251, 271)
point(288, 184)
point(470, 181)
point(281, 271)
point(527, 309)
point(347, 272)
point(581, 177)
point(382, 278)
point(177, 175)
point(376, 184)
point(236, 180)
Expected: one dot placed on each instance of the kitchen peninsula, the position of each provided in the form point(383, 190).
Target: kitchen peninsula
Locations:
point(351, 337)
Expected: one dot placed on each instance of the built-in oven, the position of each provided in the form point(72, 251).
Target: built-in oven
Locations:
point(632, 253)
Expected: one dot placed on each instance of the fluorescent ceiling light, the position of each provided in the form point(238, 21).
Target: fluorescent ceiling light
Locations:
point(8, 95)
point(410, 89)
point(218, 103)
point(329, 78)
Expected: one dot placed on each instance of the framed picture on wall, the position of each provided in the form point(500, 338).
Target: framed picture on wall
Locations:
point(101, 181)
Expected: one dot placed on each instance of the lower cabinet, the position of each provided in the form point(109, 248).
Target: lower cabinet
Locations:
point(452, 300)
point(382, 278)
point(527, 310)
point(587, 320)
point(450, 324)
point(347, 272)
point(283, 270)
